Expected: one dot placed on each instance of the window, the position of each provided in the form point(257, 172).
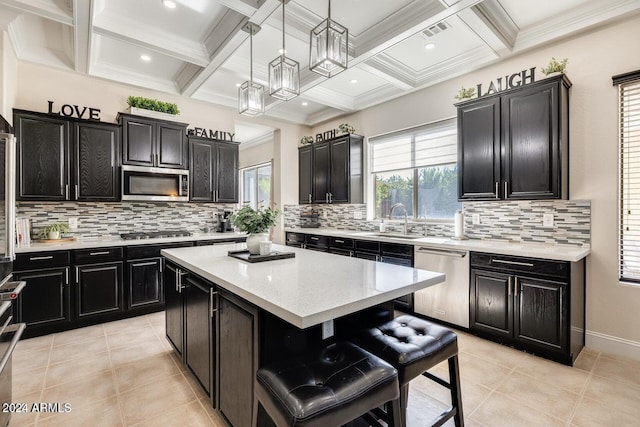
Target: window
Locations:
point(416, 167)
point(256, 186)
point(629, 197)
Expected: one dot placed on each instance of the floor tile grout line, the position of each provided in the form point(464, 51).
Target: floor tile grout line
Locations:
point(584, 389)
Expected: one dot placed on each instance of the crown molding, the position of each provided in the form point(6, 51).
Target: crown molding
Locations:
point(125, 76)
point(490, 22)
point(256, 141)
point(392, 70)
point(43, 8)
point(458, 65)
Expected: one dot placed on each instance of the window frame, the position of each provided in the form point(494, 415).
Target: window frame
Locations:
point(372, 215)
point(241, 172)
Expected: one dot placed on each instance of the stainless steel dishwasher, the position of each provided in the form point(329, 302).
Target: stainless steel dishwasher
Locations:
point(449, 300)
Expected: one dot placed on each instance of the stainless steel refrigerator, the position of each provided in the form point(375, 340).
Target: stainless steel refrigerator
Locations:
point(10, 332)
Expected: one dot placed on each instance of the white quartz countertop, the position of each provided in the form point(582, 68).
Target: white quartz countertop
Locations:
point(533, 250)
point(117, 241)
point(309, 289)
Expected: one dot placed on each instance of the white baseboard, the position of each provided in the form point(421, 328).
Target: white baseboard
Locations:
point(613, 345)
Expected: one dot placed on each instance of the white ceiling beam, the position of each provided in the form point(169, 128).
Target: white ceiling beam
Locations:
point(222, 42)
point(493, 25)
point(244, 7)
point(42, 8)
point(82, 31)
point(390, 70)
point(588, 15)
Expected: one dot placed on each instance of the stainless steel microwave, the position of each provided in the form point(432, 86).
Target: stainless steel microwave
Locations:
point(155, 184)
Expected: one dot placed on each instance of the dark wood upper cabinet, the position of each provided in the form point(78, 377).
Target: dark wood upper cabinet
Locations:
point(42, 156)
point(331, 171)
point(515, 145)
point(97, 154)
point(214, 170)
point(152, 142)
point(305, 174)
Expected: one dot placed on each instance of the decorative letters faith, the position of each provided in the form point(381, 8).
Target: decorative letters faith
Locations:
point(508, 82)
point(326, 135)
point(68, 110)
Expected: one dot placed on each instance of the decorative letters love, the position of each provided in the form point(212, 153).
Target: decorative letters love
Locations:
point(68, 110)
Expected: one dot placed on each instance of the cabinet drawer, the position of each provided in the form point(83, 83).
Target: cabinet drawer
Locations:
point(317, 241)
point(90, 256)
point(367, 246)
point(295, 238)
point(220, 241)
point(152, 251)
point(341, 243)
point(396, 249)
point(514, 265)
point(37, 260)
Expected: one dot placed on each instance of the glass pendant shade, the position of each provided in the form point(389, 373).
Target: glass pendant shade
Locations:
point(251, 99)
point(329, 47)
point(250, 94)
point(284, 73)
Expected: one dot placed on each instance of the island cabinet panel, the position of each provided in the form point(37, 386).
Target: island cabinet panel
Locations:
point(42, 156)
point(199, 329)
point(214, 170)
point(96, 158)
point(174, 306)
point(533, 304)
point(515, 145)
point(152, 142)
point(144, 282)
point(237, 358)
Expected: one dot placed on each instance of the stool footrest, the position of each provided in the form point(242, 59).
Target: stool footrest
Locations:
point(437, 379)
point(444, 417)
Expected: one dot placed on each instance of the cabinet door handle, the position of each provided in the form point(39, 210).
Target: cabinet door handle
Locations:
point(76, 190)
point(177, 280)
point(326, 197)
point(157, 159)
point(77, 275)
point(100, 253)
point(497, 190)
point(309, 197)
point(330, 198)
point(515, 288)
point(40, 258)
point(509, 286)
point(502, 261)
point(314, 238)
point(152, 158)
point(66, 276)
point(213, 307)
point(505, 189)
point(66, 191)
point(339, 241)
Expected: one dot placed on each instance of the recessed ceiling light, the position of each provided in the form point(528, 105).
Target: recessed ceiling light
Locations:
point(145, 58)
point(304, 104)
point(354, 81)
point(169, 4)
point(429, 46)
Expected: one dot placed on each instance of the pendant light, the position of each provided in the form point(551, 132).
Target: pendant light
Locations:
point(329, 43)
point(284, 73)
point(250, 94)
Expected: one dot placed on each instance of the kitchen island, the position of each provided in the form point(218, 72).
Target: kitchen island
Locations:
point(227, 317)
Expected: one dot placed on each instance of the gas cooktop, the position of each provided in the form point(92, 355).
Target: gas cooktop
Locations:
point(154, 234)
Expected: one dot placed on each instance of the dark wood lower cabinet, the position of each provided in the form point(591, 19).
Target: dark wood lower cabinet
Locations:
point(237, 358)
point(144, 281)
point(174, 307)
point(199, 327)
point(99, 289)
point(46, 298)
point(533, 304)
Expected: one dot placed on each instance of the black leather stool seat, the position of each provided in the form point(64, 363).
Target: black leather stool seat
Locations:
point(329, 388)
point(410, 344)
point(413, 346)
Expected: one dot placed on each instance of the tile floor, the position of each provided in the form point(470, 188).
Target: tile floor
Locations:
point(124, 373)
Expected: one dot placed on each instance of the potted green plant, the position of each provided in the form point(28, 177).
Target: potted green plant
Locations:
point(465, 93)
point(346, 128)
point(306, 140)
point(142, 106)
point(255, 223)
point(53, 231)
point(555, 67)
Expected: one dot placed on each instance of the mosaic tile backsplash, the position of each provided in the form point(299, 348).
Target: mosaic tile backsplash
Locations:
point(519, 221)
point(111, 219)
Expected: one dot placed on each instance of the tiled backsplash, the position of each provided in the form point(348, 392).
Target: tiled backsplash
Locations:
point(514, 221)
point(111, 219)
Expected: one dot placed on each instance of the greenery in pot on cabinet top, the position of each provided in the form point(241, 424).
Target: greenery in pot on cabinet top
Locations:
point(555, 67)
point(253, 221)
point(152, 104)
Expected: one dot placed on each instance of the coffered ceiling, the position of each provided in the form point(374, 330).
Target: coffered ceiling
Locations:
point(199, 50)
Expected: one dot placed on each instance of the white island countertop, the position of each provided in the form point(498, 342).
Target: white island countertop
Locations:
point(309, 289)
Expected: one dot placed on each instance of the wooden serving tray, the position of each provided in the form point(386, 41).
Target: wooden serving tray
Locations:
point(60, 240)
point(244, 255)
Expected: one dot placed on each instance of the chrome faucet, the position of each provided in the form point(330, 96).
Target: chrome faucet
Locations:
point(399, 205)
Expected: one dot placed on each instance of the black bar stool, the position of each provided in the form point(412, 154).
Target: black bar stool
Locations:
point(413, 346)
point(330, 388)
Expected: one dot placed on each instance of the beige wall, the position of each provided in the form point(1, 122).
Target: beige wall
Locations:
point(8, 77)
point(256, 154)
point(612, 309)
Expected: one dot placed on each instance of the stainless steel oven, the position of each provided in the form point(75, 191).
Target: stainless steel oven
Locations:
point(154, 184)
